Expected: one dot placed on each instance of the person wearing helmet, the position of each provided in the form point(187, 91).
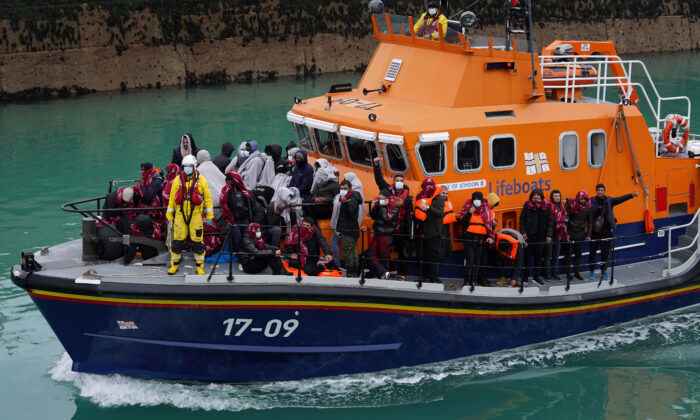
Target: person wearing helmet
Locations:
point(427, 25)
point(189, 195)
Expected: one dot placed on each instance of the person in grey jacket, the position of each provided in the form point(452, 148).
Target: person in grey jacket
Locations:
point(249, 163)
point(602, 206)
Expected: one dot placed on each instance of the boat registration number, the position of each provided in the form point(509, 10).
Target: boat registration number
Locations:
point(367, 106)
point(273, 327)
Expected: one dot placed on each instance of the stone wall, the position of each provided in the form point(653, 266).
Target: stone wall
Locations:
point(49, 50)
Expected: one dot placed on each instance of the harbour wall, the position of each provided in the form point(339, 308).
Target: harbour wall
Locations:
point(57, 50)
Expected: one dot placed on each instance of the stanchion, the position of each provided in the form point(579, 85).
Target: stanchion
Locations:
point(299, 253)
point(362, 256)
point(230, 267)
point(420, 262)
point(612, 260)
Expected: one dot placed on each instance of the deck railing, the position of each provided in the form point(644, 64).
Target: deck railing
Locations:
point(606, 68)
point(693, 247)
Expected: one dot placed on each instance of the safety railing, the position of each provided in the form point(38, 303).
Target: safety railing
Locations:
point(693, 246)
point(609, 72)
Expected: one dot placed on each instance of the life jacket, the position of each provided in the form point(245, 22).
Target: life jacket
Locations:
point(192, 194)
point(476, 225)
point(403, 195)
point(448, 216)
point(418, 212)
point(430, 24)
point(514, 245)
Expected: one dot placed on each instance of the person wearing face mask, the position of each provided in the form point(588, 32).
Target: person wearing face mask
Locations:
point(256, 255)
point(536, 224)
point(430, 206)
point(579, 230)
point(249, 163)
point(385, 216)
point(428, 23)
point(560, 235)
point(189, 197)
point(302, 175)
point(305, 243)
point(404, 203)
point(478, 235)
point(280, 215)
point(347, 225)
point(186, 147)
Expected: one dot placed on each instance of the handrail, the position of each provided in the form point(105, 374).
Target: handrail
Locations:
point(602, 79)
point(696, 241)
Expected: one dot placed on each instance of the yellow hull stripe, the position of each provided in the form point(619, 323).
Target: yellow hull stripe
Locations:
point(360, 306)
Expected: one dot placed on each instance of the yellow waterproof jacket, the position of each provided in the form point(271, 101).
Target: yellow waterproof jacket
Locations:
point(187, 207)
point(427, 24)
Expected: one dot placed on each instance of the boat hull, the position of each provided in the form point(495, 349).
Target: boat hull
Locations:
point(197, 337)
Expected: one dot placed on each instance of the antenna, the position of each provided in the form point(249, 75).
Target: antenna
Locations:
point(516, 9)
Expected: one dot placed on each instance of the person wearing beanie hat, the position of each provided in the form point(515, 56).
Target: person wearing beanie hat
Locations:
point(477, 236)
point(189, 197)
point(428, 23)
point(215, 178)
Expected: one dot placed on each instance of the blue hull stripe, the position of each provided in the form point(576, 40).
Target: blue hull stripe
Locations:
point(259, 349)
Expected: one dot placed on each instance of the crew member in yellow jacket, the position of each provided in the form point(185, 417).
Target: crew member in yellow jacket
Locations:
point(188, 196)
point(427, 25)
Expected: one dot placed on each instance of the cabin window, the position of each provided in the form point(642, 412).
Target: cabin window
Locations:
point(304, 136)
point(502, 152)
point(467, 155)
point(433, 158)
point(361, 151)
point(328, 143)
point(396, 159)
point(596, 148)
point(568, 151)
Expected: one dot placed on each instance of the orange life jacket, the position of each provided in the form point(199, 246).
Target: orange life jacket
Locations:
point(420, 214)
point(449, 215)
point(514, 248)
point(476, 225)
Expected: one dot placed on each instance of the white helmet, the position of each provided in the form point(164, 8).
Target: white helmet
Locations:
point(189, 160)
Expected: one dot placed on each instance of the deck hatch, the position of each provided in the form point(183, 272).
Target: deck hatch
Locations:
point(493, 115)
point(393, 70)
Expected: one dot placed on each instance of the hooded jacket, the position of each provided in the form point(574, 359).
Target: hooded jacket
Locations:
point(537, 223)
point(302, 176)
point(224, 158)
point(249, 168)
point(211, 173)
point(177, 151)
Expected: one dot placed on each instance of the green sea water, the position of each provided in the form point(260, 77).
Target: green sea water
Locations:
point(62, 150)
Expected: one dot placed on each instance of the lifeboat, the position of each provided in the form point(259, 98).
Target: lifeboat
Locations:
point(575, 75)
point(469, 112)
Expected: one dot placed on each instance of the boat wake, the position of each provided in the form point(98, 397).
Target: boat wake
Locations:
point(618, 346)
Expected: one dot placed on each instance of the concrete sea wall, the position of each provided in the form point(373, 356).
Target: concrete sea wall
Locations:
point(55, 49)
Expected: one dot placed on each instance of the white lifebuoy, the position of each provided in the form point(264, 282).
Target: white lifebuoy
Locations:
point(680, 123)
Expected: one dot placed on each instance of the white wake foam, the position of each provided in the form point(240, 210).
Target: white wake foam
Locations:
point(398, 386)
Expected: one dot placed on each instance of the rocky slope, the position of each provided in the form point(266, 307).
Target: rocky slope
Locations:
point(49, 50)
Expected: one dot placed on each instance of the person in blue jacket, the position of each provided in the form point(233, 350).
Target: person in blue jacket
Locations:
point(302, 175)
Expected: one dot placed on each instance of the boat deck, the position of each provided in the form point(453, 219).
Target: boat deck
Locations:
point(63, 261)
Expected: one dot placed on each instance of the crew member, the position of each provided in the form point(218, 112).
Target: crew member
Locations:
point(427, 25)
point(189, 196)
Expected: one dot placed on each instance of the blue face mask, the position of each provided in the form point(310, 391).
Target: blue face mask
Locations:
point(269, 158)
point(432, 11)
point(188, 170)
point(289, 199)
point(477, 203)
point(245, 153)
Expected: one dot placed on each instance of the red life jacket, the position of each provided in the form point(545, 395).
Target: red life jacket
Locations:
point(193, 194)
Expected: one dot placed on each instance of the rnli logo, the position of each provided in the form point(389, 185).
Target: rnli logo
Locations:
point(536, 163)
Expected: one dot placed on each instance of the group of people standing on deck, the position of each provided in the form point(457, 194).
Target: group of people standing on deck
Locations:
point(262, 198)
point(546, 227)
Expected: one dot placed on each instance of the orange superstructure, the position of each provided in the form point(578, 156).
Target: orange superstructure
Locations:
point(465, 113)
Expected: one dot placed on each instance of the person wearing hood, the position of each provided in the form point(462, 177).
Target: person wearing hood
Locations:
point(404, 203)
point(347, 224)
point(355, 187)
point(216, 180)
point(428, 212)
point(386, 216)
point(478, 236)
point(559, 234)
point(149, 191)
point(579, 230)
point(324, 188)
point(186, 147)
point(510, 248)
point(171, 172)
point(249, 163)
point(273, 159)
point(302, 175)
point(281, 214)
point(256, 255)
point(536, 223)
point(147, 228)
point(304, 243)
point(283, 174)
point(291, 149)
point(224, 158)
point(427, 24)
point(189, 198)
point(124, 197)
point(236, 207)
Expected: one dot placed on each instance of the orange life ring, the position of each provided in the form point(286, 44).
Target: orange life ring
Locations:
point(681, 123)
